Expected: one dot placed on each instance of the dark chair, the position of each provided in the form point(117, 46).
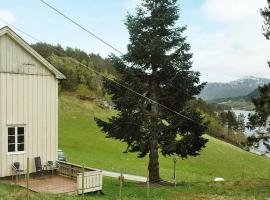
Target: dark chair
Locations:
point(51, 166)
point(17, 171)
point(50, 163)
point(39, 167)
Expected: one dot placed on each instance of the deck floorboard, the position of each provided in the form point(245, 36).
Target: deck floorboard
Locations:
point(50, 184)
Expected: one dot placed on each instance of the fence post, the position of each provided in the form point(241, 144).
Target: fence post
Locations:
point(83, 181)
point(148, 187)
point(70, 171)
point(174, 171)
point(27, 178)
point(121, 179)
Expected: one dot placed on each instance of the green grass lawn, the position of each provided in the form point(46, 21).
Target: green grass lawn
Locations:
point(84, 143)
point(247, 175)
point(230, 190)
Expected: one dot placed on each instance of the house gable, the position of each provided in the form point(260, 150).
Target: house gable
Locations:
point(16, 56)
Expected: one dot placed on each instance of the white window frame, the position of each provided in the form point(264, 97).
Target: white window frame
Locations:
point(16, 139)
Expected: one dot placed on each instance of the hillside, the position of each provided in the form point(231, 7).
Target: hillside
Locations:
point(247, 174)
point(240, 87)
point(84, 143)
point(81, 78)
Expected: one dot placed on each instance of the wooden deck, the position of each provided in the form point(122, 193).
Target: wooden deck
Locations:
point(53, 184)
point(71, 179)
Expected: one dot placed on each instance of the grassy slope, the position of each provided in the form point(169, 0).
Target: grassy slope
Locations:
point(84, 143)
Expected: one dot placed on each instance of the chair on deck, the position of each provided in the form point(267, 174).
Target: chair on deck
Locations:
point(39, 167)
point(17, 171)
point(50, 166)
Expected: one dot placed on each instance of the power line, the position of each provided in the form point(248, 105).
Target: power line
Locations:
point(97, 37)
point(110, 79)
point(90, 32)
point(80, 26)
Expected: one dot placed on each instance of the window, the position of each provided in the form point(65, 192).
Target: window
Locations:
point(16, 139)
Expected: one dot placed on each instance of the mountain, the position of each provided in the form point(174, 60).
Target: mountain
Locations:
point(240, 87)
point(255, 93)
point(240, 103)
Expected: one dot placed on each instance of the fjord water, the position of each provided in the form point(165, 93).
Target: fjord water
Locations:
point(248, 132)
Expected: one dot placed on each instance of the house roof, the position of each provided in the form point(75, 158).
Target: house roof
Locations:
point(29, 49)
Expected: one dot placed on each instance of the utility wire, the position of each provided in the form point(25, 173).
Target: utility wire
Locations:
point(110, 79)
point(80, 26)
point(90, 32)
point(94, 35)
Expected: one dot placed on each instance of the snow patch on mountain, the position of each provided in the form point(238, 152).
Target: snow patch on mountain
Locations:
point(236, 88)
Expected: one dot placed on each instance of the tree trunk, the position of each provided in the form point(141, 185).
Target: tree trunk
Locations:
point(153, 165)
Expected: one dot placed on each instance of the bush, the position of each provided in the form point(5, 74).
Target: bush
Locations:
point(84, 93)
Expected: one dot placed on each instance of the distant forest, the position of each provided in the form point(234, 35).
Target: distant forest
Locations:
point(80, 79)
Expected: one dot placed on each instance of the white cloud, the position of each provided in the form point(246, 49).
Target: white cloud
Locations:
point(229, 43)
point(232, 10)
point(131, 4)
point(7, 16)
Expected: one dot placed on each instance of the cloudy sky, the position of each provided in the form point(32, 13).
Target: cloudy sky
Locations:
point(225, 35)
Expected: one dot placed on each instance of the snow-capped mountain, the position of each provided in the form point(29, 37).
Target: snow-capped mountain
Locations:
point(235, 88)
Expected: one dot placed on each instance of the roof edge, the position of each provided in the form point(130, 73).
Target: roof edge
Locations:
point(7, 30)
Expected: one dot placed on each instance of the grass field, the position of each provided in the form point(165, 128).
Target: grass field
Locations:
point(247, 175)
point(84, 143)
point(236, 190)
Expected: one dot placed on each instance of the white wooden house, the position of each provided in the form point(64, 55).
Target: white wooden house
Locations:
point(28, 104)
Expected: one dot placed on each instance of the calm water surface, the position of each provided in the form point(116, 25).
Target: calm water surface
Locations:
point(245, 113)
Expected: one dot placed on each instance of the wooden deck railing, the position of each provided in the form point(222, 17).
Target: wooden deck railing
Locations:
point(68, 170)
point(92, 178)
point(92, 182)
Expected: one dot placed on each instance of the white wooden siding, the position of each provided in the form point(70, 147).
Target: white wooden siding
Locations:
point(14, 59)
point(29, 97)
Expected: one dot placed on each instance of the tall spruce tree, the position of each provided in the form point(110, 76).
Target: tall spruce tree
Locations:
point(262, 103)
point(159, 61)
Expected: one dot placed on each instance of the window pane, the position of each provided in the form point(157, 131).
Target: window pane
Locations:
point(11, 131)
point(11, 148)
point(20, 138)
point(20, 130)
point(11, 139)
point(20, 147)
